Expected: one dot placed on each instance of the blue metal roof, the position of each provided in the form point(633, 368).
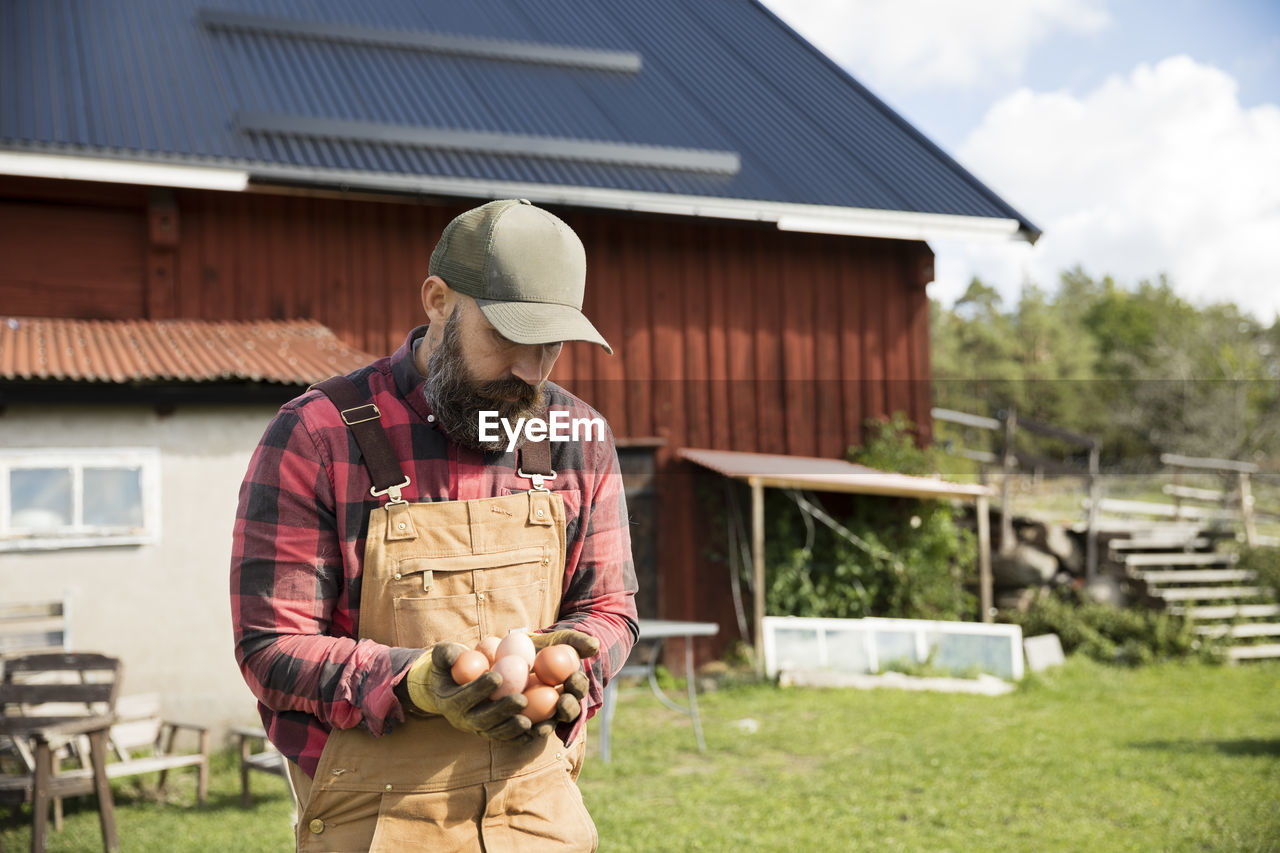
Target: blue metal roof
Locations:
point(691, 100)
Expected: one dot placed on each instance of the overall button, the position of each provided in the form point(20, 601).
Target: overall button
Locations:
point(317, 826)
point(540, 512)
point(397, 576)
point(388, 787)
point(401, 525)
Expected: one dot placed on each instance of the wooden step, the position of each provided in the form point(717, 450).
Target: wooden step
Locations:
point(1205, 593)
point(1122, 507)
point(1158, 543)
point(1179, 559)
point(1195, 575)
point(1228, 611)
point(1244, 629)
point(1258, 652)
point(1132, 527)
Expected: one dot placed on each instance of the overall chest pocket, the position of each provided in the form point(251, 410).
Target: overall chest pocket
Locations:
point(463, 598)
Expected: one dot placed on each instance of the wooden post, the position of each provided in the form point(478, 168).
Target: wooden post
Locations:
point(1246, 510)
point(1177, 492)
point(1095, 498)
point(984, 557)
point(757, 572)
point(1006, 485)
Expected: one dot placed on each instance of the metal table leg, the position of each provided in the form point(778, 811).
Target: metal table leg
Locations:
point(607, 709)
point(692, 710)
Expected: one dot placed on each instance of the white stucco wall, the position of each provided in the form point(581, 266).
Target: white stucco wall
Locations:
point(163, 609)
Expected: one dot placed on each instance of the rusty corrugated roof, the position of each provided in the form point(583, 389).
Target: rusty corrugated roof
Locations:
point(295, 352)
point(825, 475)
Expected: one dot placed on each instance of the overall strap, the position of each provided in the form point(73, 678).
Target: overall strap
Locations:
point(362, 417)
point(535, 462)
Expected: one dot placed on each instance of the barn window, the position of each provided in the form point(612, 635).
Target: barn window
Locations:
point(78, 498)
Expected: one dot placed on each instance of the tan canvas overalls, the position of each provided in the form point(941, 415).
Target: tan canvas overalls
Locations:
point(451, 571)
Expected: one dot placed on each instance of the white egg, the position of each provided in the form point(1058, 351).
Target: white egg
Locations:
point(517, 643)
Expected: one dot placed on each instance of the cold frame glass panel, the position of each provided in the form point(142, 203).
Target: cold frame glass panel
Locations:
point(847, 650)
point(796, 648)
point(896, 647)
point(967, 654)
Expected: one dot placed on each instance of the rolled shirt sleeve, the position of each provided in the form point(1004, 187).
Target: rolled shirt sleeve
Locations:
point(288, 590)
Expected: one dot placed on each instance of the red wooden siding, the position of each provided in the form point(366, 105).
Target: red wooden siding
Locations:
point(102, 277)
point(726, 335)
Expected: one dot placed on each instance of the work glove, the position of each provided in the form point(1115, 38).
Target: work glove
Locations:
point(432, 690)
point(575, 687)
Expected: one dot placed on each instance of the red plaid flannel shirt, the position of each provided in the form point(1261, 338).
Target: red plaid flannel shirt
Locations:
point(299, 546)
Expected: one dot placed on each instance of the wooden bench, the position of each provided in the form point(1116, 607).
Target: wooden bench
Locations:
point(34, 626)
point(143, 742)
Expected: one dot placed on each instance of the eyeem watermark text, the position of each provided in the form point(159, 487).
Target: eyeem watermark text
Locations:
point(560, 427)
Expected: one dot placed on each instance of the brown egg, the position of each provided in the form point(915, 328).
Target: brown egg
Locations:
point(469, 666)
point(542, 703)
point(489, 645)
point(556, 663)
point(515, 674)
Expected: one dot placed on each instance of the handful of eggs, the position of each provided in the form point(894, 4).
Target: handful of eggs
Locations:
point(539, 677)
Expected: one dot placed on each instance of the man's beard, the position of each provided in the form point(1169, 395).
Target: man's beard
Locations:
point(457, 400)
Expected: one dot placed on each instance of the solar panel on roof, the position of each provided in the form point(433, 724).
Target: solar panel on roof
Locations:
point(516, 51)
point(557, 148)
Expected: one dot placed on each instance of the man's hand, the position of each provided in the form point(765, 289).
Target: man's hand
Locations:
point(575, 687)
point(432, 690)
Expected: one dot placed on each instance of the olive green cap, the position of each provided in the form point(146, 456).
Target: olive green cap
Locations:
point(524, 267)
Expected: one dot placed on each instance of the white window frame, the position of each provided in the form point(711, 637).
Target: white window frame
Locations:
point(79, 534)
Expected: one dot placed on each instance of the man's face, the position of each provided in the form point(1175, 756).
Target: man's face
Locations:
point(473, 368)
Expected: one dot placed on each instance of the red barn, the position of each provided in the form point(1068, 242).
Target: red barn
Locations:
point(755, 221)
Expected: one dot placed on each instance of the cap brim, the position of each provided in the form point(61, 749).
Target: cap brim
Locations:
point(540, 322)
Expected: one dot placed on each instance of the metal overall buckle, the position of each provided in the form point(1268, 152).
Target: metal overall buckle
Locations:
point(537, 479)
point(394, 491)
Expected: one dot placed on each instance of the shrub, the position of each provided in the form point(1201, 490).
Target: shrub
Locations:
point(1265, 563)
point(910, 558)
point(1128, 636)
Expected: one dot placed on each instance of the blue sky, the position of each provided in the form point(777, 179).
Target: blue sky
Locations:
point(1143, 137)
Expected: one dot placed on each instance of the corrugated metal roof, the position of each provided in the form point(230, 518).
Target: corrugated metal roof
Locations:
point(296, 352)
point(164, 80)
point(825, 475)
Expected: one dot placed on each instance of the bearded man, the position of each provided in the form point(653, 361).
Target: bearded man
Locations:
point(378, 536)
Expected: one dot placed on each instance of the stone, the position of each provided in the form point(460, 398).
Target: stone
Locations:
point(1067, 548)
point(1043, 651)
point(1030, 532)
point(1016, 598)
point(1026, 566)
point(1106, 589)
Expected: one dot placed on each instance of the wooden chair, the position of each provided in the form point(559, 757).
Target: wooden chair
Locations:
point(48, 700)
point(257, 753)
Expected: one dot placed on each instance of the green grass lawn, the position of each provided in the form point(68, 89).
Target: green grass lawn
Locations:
point(1170, 757)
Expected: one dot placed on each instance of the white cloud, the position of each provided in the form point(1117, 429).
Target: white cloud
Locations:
point(1158, 171)
point(897, 46)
